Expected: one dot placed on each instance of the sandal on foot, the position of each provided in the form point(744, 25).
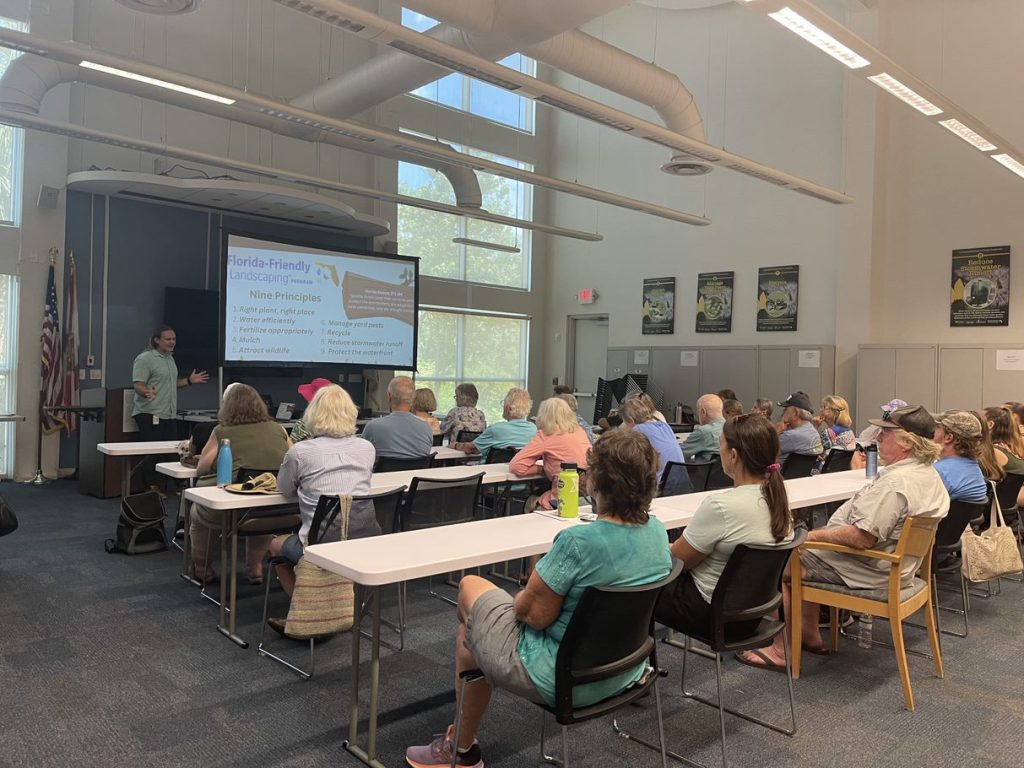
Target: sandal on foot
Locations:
point(764, 663)
point(821, 650)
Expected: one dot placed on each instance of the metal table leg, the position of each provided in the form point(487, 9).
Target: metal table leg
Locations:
point(366, 599)
point(229, 530)
point(186, 544)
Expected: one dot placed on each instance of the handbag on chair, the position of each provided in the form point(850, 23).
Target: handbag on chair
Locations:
point(993, 552)
point(323, 603)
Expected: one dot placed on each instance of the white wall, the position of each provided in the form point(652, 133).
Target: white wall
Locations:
point(940, 193)
point(764, 94)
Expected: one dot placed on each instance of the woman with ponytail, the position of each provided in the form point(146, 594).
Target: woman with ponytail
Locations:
point(755, 511)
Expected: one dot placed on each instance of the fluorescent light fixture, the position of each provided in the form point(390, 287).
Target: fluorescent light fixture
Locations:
point(889, 83)
point(819, 38)
point(485, 244)
point(153, 81)
point(976, 140)
point(1014, 165)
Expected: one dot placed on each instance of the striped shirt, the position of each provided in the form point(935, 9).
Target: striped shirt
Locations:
point(328, 466)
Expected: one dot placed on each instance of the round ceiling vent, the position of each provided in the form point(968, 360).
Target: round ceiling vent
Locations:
point(684, 165)
point(161, 7)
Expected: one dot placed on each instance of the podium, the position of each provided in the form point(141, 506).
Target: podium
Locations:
point(100, 475)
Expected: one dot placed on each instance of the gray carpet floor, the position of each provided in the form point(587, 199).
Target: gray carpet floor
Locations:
point(108, 660)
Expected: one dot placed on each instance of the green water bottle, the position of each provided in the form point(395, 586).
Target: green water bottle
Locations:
point(568, 491)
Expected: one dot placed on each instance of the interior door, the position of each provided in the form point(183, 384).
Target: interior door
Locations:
point(588, 355)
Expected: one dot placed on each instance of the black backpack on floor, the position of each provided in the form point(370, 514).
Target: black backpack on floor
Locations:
point(140, 527)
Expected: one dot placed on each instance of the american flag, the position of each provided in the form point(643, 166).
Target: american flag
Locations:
point(50, 394)
point(69, 390)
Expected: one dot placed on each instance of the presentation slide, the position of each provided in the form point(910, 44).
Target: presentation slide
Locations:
point(286, 304)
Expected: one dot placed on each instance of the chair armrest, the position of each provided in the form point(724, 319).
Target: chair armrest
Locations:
point(828, 547)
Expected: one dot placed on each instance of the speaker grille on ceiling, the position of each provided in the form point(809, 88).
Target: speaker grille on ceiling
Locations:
point(326, 16)
point(589, 114)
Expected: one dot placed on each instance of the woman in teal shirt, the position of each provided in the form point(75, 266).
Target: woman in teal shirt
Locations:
point(514, 642)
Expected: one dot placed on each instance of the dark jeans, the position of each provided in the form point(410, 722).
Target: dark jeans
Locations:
point(167, 429)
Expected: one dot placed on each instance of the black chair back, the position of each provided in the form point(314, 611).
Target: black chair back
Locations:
point(389, 464)
point(675, 480)
point(501, 455)
point(247, 473)
point(953, 525)
point(384, 505)
point(798, 465)
point(699, 472)
point(717, 477)
point(837, 460)
point(610, 632)
point(467, 436)
point(438, 440)
point(435, 502)
point(749, 588)
point(1007, 491)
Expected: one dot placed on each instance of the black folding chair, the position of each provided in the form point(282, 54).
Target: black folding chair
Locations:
point(467, 436)
point(610, 632)
point(699, 472)
point(716, 477)
point(430, 503)
point(677, 480)
point(946, 556)
point(749, 590)
point(392, 464)
point(837, 460)
point(438, 440)
point(798, 465)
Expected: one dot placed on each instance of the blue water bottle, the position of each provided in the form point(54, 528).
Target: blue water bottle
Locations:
point(224, 463)
point(870, 460)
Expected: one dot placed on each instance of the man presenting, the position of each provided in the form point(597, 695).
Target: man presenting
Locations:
point(702, 443)
point(400, 434)
point(156, 383)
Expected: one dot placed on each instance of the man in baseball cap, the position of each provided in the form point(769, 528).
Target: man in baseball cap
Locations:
point(959, 435)
point(907, 486)
point(796, 432)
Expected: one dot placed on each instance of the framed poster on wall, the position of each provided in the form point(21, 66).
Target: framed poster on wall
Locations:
point(778, 290)
point(714, 302)
point(980, 287)
point(659, 308)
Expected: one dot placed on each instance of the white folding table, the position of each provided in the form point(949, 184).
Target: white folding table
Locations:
point(383, 560)
point(137, 448)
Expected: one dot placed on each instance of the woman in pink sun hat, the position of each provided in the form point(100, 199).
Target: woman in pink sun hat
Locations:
point(299, 431)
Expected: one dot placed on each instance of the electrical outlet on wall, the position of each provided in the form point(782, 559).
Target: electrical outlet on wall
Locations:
point(81, 374)
point(90, 360)
point(95, 374)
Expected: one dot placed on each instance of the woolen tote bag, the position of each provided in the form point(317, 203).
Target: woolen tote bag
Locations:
point(323, 602)
point(993, 552)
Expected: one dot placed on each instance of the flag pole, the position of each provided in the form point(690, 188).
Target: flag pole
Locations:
point(40, 478)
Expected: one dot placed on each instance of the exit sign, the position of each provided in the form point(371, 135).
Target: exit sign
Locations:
point(586, 296)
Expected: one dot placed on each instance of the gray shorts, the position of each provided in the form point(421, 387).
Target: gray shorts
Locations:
point(492, 635)
point(816, 569)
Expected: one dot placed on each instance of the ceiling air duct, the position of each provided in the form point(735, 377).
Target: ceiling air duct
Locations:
point(161, 7)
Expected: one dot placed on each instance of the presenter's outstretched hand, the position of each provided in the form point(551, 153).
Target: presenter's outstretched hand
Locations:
point(200, 377)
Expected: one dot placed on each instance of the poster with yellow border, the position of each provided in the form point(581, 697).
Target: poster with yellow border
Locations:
point(980, 287)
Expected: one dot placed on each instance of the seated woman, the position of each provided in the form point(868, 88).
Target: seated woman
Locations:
point(257, 442)
point(465, 415)
point(332, 461)
point(763, 407)
point(834, 424)
point(559, 439)
point(424, 403)
point(514, 642)
point(1006, 442)
point(755, 511)
point(636, 414)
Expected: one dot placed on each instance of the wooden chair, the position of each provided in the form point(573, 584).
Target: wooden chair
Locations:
point(891, 602)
